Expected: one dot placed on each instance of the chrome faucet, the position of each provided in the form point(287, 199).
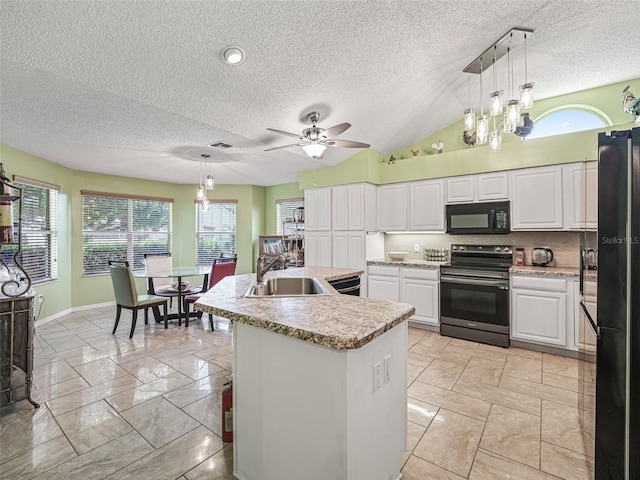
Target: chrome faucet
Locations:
point(260, 270)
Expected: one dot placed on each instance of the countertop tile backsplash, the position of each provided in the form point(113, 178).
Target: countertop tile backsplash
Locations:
point(565, 245)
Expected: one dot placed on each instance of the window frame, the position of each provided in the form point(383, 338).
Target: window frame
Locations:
point(595, 112)
point(207, 259)
point(130, 234)
point(49, 233)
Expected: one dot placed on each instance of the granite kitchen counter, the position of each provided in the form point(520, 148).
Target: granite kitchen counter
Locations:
point(336, 321)
point(552, 271)
point(409, 262)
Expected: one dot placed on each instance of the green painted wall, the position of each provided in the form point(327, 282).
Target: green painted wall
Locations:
point(72, 289)
point(458, 159)
point(285, 191)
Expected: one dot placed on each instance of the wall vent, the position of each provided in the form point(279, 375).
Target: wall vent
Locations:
point(224, 146)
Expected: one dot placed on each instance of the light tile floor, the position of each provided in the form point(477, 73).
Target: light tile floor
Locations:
point(150, 407)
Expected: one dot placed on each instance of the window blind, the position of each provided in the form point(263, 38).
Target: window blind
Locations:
point(39, 255)
point(123, 228)
point(215, 231)
point(284, 211)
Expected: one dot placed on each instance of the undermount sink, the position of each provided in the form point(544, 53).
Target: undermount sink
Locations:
point(287, 287)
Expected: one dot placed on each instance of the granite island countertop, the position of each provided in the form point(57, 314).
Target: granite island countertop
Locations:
point(335, 321)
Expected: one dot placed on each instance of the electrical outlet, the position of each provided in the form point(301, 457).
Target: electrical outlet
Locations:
point(40, 298)
point(387, 368)
point(377, 376)
point(416, 248)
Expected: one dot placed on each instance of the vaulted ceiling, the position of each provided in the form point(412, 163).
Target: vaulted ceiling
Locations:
point(138, 88)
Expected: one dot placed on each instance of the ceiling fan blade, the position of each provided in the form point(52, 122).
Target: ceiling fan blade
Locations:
point(285, 146)
point(335, 130)
point(345, 143)
point(281, 132)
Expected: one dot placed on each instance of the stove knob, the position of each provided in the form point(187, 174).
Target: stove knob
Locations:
point(461, 247)
point(507, 250)
point(454, 247)
point(498, 249)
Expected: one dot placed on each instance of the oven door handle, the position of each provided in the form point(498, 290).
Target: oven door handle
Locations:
point(501, 284)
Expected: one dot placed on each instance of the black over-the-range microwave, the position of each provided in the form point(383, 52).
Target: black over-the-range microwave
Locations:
point(486, 217)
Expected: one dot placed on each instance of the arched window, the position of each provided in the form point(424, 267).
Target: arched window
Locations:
point(569, 119)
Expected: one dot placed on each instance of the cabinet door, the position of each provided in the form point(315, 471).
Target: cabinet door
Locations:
point(426, 206)
point(392, 207)
point(536, 195)
point(356, 207)
point(539, 317)
point(324, 249)
point(492, 186)
point(424, 296)
point(311, 209)
point(340, 207)
point(589, 196)
point(324, 209)
point(571, 200)
point(384, 288)
point(460, 189)
point(311, 249)
point(357, 256)
point(340, 250)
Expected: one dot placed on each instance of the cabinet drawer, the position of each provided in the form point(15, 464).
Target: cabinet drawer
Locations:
point(384, 271)
point(421, 273)
point(539, 283)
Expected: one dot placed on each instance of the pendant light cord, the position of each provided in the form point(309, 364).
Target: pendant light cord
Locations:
point(526, 77)
point(481, 94)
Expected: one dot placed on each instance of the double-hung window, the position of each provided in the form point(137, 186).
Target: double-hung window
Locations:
point(215, 230)
point(39, 230)
point(122, 227)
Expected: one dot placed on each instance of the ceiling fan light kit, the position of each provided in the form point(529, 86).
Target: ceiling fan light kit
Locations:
point(315, 140)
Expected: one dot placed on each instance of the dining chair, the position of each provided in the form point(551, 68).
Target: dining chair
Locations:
point(227, 257)
point(124, 288)
point(160, 263)
point(219, 270)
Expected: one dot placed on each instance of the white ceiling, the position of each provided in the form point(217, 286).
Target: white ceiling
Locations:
point(137, 88)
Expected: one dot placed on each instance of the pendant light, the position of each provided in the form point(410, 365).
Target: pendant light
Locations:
point(526, 90)
point(482, 130)
point(200, 193)
point(512, 112)
point(495, 107)
point(469, 114)
point(209, 183)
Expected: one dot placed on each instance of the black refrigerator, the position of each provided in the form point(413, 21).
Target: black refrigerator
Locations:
point(609, 328)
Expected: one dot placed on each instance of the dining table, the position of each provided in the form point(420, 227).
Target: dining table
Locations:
point(178, 273)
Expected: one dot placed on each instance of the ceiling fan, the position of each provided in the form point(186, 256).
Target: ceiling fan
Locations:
point(314, 140)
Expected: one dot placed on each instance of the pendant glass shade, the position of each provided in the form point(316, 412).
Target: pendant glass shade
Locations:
point(526, 95)
point(495, 141)
point(482, 130)
point(209, 182)
point(513, 111)
point(314, 150)
point(205, 204)
point(200, 193)
point(495, 103)
point(469, 119)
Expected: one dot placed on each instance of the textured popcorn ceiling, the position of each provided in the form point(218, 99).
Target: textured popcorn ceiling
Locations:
point(137, 88)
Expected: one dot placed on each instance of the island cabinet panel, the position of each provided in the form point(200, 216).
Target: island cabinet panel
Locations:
point(305, 411)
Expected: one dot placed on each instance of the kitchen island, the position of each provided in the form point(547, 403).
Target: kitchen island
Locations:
point(319, 381)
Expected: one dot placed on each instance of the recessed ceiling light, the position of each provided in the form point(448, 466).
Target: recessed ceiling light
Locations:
point(233, 55)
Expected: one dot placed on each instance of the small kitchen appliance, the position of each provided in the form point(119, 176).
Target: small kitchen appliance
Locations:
point(541, 256)
point(478, 218)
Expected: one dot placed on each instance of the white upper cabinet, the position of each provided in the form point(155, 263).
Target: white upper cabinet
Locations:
point(580, 196)
point(426, 206)
point(461, 189)
point(354, 207)
point(317, 209)
point(536, 198)
point(484, 187)
point(340, 208)
point(392, 207)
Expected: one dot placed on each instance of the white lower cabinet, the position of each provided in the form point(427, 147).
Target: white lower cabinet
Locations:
point(421, 288)
point(317, 249)
point(540, 311)
point(383, 283)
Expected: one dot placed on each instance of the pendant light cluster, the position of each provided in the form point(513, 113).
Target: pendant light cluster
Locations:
point(510, 114)
point(209, 183)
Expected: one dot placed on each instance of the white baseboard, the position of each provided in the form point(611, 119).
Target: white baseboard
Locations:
point(67, 311)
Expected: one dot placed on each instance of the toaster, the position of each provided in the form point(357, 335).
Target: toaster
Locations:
point(541, 256)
